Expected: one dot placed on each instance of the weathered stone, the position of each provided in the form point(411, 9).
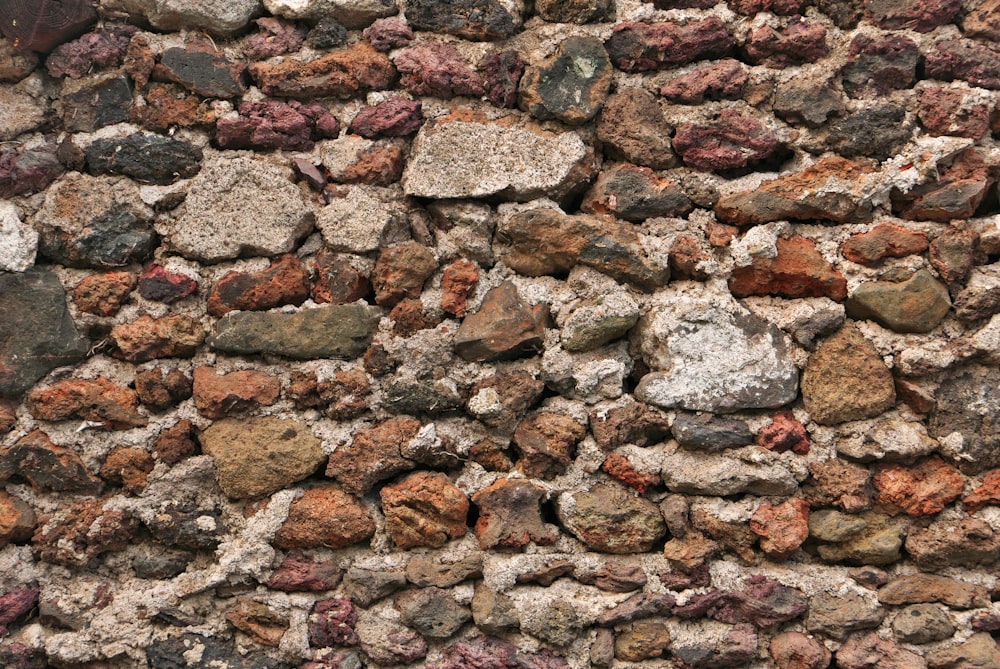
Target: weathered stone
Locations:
point(879, 64)
point(918, 304)
point(573, 11)
point(643, 640)
point(438, 70)
point(270, 124)
point(400, 272)
point(21, 114)
point(97, 400)
point(28, 171)
point(95, 101)
point(807, 102)
point(342, 73)
point(921, 489)
point(275, 37)
point(510, 515)
point(161, 563)
point(366, 586)
point(147, 338)
point(546, 443)
point(160, 388)
point(176, 14)
point(782, 528)
point(795, 650)
point(708, 432)
point(145, 158)
point(432, 612)
point(324, 516)
point(922, 623)
point(504, 327)
point(870, 650)
point(98, 49)
point(983, 21)
point(259, 456)
point(175, 443)
point(632, 128)
point(328, 33)
point(699, 473)
point(798, 270)
point(635, 194)
point(633, 423)
point(980, 298)
point(258, 621)
point(17, 519)
point(46, 466)
point(716, 646)
point(987, 494)
point(15, 64)
point(217, 396)
point(953, 253)
point(845, 379)
point(966, 60)
point(298, 573)
point(712, 355)
point(78, 533)
point(722, 80)
point(947, 111)
point(730, 141)
point(424, 509)
point(967, 408)
point(610, 519)
point(223, 217)
point(823, 191)
point(839, 616)
point(546, 241)
point(946, 543)
point(331, 622)
point(354, 14)
point(285, 281)
point(956, 194)
point(636, 476)
point(388, 33)
point(374, 455)
point(785, 433)
point(161, 285)
point(502, 399)
point(16, 603)
point(201, 69)
point(167, 106)
point(396, 117)
point(453, 158)
point(571, 85)
point(796, 43)
point(883, 241)
point(979, 650)
point(471, 19)
point(182, 525)
point(389, 642)
point(918, 15)
point(428, 570)
point(878, 132)
point(640, 47)
point(862, 539)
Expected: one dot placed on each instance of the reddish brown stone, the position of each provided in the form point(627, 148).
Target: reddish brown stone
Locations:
point(510, 515)
point(546, 443)
point(987, 494)
point(502, 75)
point(915, 395)
point(325, 516)
point(946, 543)
point(782, 528)
point(795, 650)
point(298, 573)
point(922, 588)
point(733, 140)
point(8, 415)
point(490, 455)
point(201, 69)
point(103, 294)
point(437, 70)
point(779, 7)
point(46, 466)
point(502, 399)
point(798, 271)
point(400, 272)
point(127, 467)
point(217, 395)
point(78, 533)
point(344, 396)
point(883, 241)
point(341, 73)
point(378, 165)
point(408, 318)
point(158, 284)
point(457, 282)
point(396, 117)
point(388, 33)
point(17, 521)
point(101, 48)
point(424, 509)
point(98, 400)
point(139, 60)
point(723, 80)
point(968, 60)
point(944, 111)
point(338, 281)
point(175, 443)
point(634, 423)
point(798, 42)
point(632, 128)
point(331, 623)
point(688, 554)
point(783, 434)
point(621, 469)
point(870, 650)
point(159, 388)
point(147, 338)
point(258, 622)
point(374, 455)
point(168, 106)
point(955, 195)
point(732, 535)
point(640, 47)
point(285, 281)
point(276, 37)
point(13, 605)
point(720, 234)
point(919, 15)
point(918, 490)
point(954, 253)
point(839, 483)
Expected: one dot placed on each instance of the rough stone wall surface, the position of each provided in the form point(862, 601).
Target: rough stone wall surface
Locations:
point(491, 334)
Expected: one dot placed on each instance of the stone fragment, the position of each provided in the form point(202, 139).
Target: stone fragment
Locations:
point(95, 101)
point(699, 473)
point(21, 114)
point(640, 47)
point(987, 494)
point(298, 573)
point(15, 64)
point(557, 622)
point(863, 539)
point(574, 11)
point(785, 433)
point(46, 466)
point(432, 612)
point(259, 456)
point(883, 241)
point(144, 157)
point(957, 194)
point(396, 117)
point(688, 260)
point(502, 73)
point(199, 68)
point(979, 650)
point(710, 354)
point(635, 194)
point(453, 158)
point(147, 338)
point(184, 526)
point(458, 280)
point(502, 399)
point(730, 141)
point(285, 281)
point(428, 570)
point(795, 650)
point(879, 64)
point(29, 170)
point(807, 102)
point(917, 15)
point(546, 241)
point(954, 253)
point(275, 37)
point(642, 640)
point(101, 48)
point(504, 327)
point(633, 423)
point(878, 132)
point(591, 376)
point(258, 621)
point(17, 520)
point(798, 270)
point(632, 128)
point(331, 622)
point(324, 516)
point(374, 455)
point(161, 285)
point(546, 443)
point(796, 43)
point(222, 20)
point(870, 650)
point(838, 616)
point(845, 379)
point(637, 607)
point(716, 646)
point(16, 603)
point(922, 623)
point(472, 19)
point(175, 443)
point(342, 73)
point(424, 509)
point(948, 111)
point(270, 124)
point(610, 519)
point(159, 388)
point(983, 21)
point(437, 70)
point(217, 396)
point(823, 191)
point(569, 86)
point(722, 80)
point(620, 468)
point(77, 533)
point(947, 543)
point(782, 528)
point(921, 588)
point(367, 586)
point(223, 217)
point(921, 489)
point(389, 642)
point(400, 272)
point(388, 33)
point(616, 577)
point(510, 515)
point(967, 408)
point(918, 304)
point(708, 432)
point(98, 400)
point(366, 220)
point(966, 60)
point(328, 33)
point(167, 106)
point(980, 298)
point(342, 331)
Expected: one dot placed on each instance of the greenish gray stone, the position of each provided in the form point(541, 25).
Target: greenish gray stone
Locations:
point(879, 543)
point(923, 623)
point(592, 325)
point(612, 519)
point(341, 331)
point(918, 304)
point(835, 526)
point(838, 616)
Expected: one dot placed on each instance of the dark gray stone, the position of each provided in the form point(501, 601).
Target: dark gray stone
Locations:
point(157, 562)
point(967, 403)
point(96, 101)
point(572, 85)
point(707, 432)
point(144, 157)
point(471, 19)
point(432, 612)
point(878, 133)
point(367, 586)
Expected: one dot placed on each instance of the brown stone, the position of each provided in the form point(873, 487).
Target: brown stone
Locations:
point(640, 47)
point(642, 640)
point(344, 396)
point(77, 533)
point(785, 433)
point(632, 128)
point(782, 528)
point(546, 443)
point(408, 318)
point(690, 553)
point(987, 494)
point(127, 467)
point(633, 423)
point(839, 483)
point(15, 64)
point(950, 543)
point(374, 455)
point(284, 282)
point(338, 281)
point(396, 117)
point(298, 573)
point(504, 327)
point(732, 535)
point(258, 621)
point(956, 194)
point(870, 650)
point(795, 650)
point(400, 272)
point(635, 194)
point(457, 282)
point(502, 399)
point(954, 253)
point(378, 165)
point(547, 574)
point(424, 509)
point(147, 338)
point(983, 21)
point(17, 519)
point(104, 294)
point(917, 490)
point(571, 85)
point(510, 515)
point(797, 271)
point(95, 400)
point(175, 443)
point(883, 241)
point(846, 379)
point(160, 388)
point(610, 518)
point(921, 588)
point(219, 395)
point(324, 516)
point(688, 260)
point(8, 415)
point(341, 73)
point(798, 42)
point(979, 650)
point(621, 469)
point(168, 105)
point(429, 570)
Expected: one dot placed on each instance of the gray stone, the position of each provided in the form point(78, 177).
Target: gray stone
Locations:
point(462, 159)
point(19, 113)
point(556, 622)
point(432, 612)
point(706, 432)
point(720, 474)
point(713, 645)
point(353, 14)
point(838, 616)
point(923, 623)
point(18, 242)
point(981, 296)
point(878, 542)
point(979, 651)
point(918, 304)
point(221, 18)
point(967, 417)
point(96, 101)
point(224, 216)
point(367, 219)
point(493, 612)
point(803, 100)
point(367, 586)
point(339, 331)
point(471, 19)
point(709, 353)
point(37, 333)
point(590, 376)
point(876, 132)
point(388, 642)
point(611, 519)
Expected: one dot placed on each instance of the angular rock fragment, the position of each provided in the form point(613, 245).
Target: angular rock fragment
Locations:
point(954, 253)
point(147, 338)
point(258, 621)
point(950, 543)
point(298, 573)
point(472, 19)
point(730, 141)
point(795, 650)
point(201, 69)
point(331, 622)
point(219, 19)
point(95, 101)
point(546, 443)
point(276, 37)
point(723, 80)
point(396, 117)
point(341, 73)
point(798, 270)
point(374, 455)
point(918, 304)
point(504, 327)
point(46, 466)
point(77, 533)
point(987, 494)
point(878, 132)
point(17, 520)
point(610, 519)
point(805, 101)
point(883, 241)
point(918, 15)
point(217, 396)
point(390, 642)
point(437, 70)
point(708, 432)
point(983, 21)
point(432, 612)
point(160, 388)
point(718, 474)
point(643, 640)
point(797, 42)
point(270, 124)
point(573, 11)
point(388, 33)
point(285, 281)
point(782, 527)
point(510, 517)
point(324, 516)
point(424, 509)
point(98, 49)
point(427, 570)
point(28, 171)
point(966, 60)
point(716, 646)
point(569, 86)
point(839, 616)
point(950, 112)
point(400, 272)
point(785, 433)
point(861, 652)
point(879, 64)
point(98, 400)
point(978, 650)
point(161, 285)
point(966, 412)
point(921, 588)
point(635, 194)
point(632, 128)
point(640, 47)
point(922, 623)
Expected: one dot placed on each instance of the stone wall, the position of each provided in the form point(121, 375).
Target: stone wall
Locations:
point(464, 334)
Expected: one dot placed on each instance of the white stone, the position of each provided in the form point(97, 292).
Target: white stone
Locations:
point(352, 13)
point(592, 376)
point(18, 242)
point(363, 221)
point(221, 18)
point(19, 114)
point(700, 473)
point(889, 436)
